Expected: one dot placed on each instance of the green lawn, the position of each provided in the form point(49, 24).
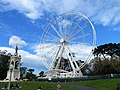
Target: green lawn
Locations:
point(106, 84)
point(45, 85)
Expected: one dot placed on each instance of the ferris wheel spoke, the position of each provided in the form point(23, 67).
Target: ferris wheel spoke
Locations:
point(52, 35)
point(74, 18)
point(81, 43)
point(46, 64)
point(74, 30)
point(65, 35)
point(78, 37)
point(51, 40)
point(79, 30)
point(57, 52)
point(46, 46)
point(52, 54)
point(66, 31)
point(81, 18)
point(55, 30)
point(65, 28)
point(52, 57)
point(49, 51)
point(71, 24)
point(88, 58)
point(60, 28)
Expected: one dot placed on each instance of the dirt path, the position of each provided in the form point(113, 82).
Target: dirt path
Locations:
point(81, 87)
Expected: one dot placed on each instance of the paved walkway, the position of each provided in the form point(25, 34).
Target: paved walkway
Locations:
point(81, 87)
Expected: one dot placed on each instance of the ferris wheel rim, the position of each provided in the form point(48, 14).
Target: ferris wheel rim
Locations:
point(93, 28)
point(80, 14)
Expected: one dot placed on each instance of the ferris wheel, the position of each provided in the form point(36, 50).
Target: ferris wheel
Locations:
point(67, 43)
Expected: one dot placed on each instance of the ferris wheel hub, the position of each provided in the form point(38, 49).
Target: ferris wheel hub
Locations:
point(62, 40)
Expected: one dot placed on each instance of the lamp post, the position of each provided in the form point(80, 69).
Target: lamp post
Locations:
point(11, 69)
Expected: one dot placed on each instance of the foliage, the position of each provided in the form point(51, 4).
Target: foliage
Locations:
point(106, 66)
point(30, 75)
point(106, 59)
point(4, 63)
point(31, 70)
point(106, 50)
point(41, 73)
point(23, 71)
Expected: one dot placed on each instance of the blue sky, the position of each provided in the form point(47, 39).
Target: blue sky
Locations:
point(24, 21)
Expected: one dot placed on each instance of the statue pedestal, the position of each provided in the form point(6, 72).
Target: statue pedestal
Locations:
point(15, 75)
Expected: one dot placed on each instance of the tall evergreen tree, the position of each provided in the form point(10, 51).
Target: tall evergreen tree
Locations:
point(107, 59)
point(4, 64)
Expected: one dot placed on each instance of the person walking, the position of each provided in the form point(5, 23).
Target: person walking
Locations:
point(58, 86)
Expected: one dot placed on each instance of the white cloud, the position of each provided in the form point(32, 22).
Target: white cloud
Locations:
point(28, 60)
point(82, 51)
point(116, 29)
point(27, 7)
point(101, 11)
point(14, 40)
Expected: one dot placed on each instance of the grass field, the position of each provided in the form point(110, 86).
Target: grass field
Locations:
point(45, 86)
point(106, 84)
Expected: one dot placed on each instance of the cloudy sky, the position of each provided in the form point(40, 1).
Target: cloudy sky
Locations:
point(22, 22)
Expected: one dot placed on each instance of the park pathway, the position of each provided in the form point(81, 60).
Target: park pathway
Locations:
point(81, 87)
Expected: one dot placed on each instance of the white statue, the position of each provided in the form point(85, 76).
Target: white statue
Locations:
point(14, 67)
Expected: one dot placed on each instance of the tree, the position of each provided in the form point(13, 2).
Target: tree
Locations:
point(30, 75)
point(31, 70)
point(4, 63)
point(41, 73)
point(107, 59)
point(111, 49)
point(23, 71)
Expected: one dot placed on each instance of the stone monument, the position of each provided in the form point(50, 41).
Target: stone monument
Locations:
point(13, 73)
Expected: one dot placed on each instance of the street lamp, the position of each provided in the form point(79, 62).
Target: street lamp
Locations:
point(11, 69)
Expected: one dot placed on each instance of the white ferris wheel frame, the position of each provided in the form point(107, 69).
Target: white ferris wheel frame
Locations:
point(67, 49)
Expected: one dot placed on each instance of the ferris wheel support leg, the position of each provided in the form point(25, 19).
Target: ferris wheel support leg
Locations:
point(58, 63)
point(76, 65)
point(70, 59)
